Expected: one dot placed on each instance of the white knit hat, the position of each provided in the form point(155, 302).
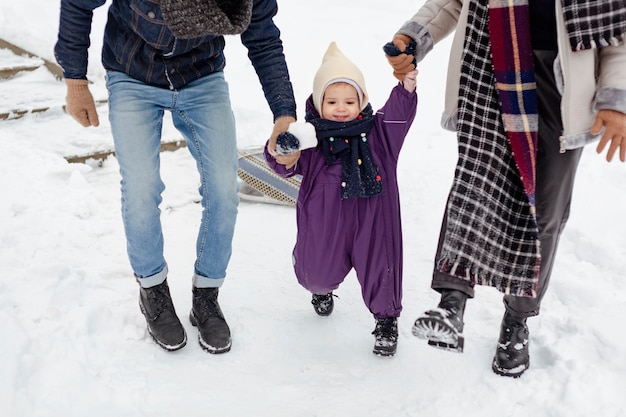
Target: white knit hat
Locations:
point(337, 68)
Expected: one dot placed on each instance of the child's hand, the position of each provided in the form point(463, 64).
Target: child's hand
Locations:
point(288, 160)
point(297, 137)
point(280, 125)
point(410, 81)
point(400, 54)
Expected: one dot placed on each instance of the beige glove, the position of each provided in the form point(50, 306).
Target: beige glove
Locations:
point(80, 104)
point(403, 63)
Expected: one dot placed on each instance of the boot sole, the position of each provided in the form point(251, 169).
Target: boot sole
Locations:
point(323, 313)
point(439, 333)
point(204, 345)
point(165, 346)
point(511, 373)
point(384, 353)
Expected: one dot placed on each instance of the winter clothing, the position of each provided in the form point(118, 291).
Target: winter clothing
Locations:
point(203, 116)
point(348, 141)
point(196, 18)
point(150, 69)
point(297, 137)
point(555, 175)
point(163, 323)
point(337, 68)
point(493, 233)
point(80, 104)
point(589, 80)
point(401, 55)
point(443, 326)
point(151, 53)
point(512, 356)
point(515, 84)
point(323, 304)
point(501, 265)
point(593, 24)
point(207, 316)
point(555, 182)
point(495, 241)
point(386, 336)
point(335, 234)
point(392, 50)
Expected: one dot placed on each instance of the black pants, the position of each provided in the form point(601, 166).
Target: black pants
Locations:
point(555, 181)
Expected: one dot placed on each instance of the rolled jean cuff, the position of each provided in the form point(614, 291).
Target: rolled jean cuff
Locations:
point(153, 280)
point(203, 282)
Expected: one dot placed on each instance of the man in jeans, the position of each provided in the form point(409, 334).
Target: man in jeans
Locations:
point(168, 55)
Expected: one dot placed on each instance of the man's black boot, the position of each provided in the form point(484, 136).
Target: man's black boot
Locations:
point(512, 357)
point(163, 323)
point(443, 326)
point(207, 316)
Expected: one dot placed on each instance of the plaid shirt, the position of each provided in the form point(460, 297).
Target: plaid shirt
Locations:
point(137, 42)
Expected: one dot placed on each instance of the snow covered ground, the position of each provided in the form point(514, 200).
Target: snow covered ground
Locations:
point(73, 341)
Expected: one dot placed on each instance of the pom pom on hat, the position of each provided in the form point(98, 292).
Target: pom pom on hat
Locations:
point(337, 68)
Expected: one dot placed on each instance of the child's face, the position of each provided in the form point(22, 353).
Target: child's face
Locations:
point(340, 103)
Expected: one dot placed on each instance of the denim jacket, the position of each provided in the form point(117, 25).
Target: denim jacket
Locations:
point(138, 42)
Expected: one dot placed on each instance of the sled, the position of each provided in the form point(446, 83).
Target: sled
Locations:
point(260, 184)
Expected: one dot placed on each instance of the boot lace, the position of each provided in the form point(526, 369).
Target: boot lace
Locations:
point(159, 300)
point(386, 328)
point(205, 305)
point(322, 301)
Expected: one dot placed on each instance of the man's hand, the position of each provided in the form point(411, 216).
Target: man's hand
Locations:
point(403, 62)
point(281, 125)
point(614, 124)
point(80, 104)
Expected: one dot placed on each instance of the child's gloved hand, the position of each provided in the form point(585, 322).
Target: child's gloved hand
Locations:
point(287, 143)
point(400, 54)
point(298, 136)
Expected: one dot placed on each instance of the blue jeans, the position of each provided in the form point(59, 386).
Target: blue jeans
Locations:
point(201, 112)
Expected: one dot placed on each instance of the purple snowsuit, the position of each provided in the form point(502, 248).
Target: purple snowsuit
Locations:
point(336, 235)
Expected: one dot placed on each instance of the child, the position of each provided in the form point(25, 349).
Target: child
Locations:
point(348, 211)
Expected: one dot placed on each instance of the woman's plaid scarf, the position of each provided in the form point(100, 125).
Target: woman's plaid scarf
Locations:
point(595, 23)
point(512, 57)
point(491, 235)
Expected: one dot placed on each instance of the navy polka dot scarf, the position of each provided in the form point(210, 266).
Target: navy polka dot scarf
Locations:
point(348, 141)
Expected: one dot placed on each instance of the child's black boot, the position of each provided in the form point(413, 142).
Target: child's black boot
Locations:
point(323, 304)
point(386, 334)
